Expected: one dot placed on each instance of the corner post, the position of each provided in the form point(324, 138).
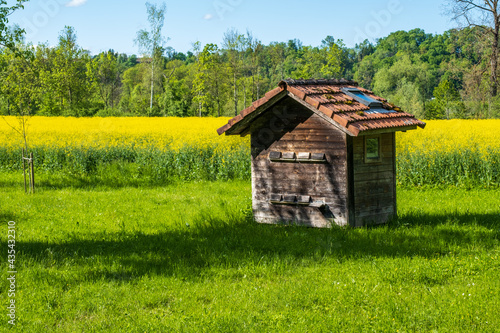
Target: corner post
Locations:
point(395, 215)
point(32, 173)
point(24, 172)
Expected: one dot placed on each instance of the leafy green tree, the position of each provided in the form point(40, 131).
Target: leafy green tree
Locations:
point(277, 55)
point(64, 77)
point(19, 88)
point(177, 97)
point(126, 61)
point(19, 83)
point(310, 63)
point(10, 36)
point(405, 83)
point(253, 55)
point(105, 74)
point(365, 72)
point(50, 103)
point(233, 43)
point(319, 62)
point(135, 97)
point(363, 50)
point(208, 85)
point(332, 64)
point(447, 102)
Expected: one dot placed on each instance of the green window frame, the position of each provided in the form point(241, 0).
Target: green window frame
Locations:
point(373, 153)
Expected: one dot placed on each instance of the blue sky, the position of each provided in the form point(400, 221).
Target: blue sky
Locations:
point(112, 24)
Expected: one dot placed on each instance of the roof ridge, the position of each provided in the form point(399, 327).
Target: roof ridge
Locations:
point(302, 82)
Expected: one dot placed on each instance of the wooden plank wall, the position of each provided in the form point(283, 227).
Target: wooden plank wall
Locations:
point(374, 183)
point(300, 131)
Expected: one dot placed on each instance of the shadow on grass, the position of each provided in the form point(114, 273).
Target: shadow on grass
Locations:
point(6, 217)
point(82, 182)
point(49, 182)
point(211, 244)
point(61, 181)
point(12, 184)
point(117, 178)
point(415, 219)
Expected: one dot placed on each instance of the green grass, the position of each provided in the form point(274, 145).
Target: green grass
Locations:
point(188, 258)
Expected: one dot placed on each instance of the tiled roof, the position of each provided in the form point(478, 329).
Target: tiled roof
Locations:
point(330, 98)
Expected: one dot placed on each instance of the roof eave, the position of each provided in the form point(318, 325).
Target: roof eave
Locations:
point(384, 130)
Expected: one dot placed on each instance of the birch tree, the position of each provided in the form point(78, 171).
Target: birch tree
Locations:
point(151, 43)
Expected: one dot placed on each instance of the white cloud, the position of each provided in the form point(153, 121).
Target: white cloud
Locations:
point(76, 3)
point(206, 17)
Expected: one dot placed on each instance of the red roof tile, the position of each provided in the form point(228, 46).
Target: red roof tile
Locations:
point(300, 94)
point(329, 98)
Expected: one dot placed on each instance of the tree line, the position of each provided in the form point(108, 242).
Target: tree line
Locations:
point(434, 76)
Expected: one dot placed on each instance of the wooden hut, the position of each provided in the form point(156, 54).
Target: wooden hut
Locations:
point(323, 152)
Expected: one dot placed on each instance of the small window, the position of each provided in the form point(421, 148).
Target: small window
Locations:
point(361, 97)
point(372, 149)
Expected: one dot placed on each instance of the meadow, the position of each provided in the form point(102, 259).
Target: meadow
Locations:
point(185, 258)
point(127, 235)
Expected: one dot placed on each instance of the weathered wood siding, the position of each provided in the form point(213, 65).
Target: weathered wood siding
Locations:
point(290, 127)
point(374, 183)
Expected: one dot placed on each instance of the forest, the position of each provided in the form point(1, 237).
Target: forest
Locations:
point(434, 76)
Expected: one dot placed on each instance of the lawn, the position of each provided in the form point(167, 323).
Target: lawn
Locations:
point(187, 257)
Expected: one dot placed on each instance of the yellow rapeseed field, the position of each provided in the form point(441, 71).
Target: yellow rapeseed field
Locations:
point(163, 133)
point(174, 133)
point(453, 152)
point(450, 152)
point(451, 136)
